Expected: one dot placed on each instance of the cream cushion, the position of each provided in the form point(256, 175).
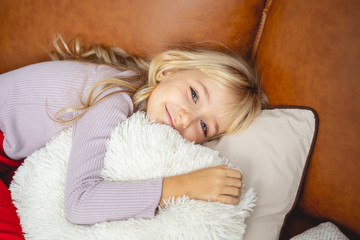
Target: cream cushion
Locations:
point(324, 231)
point(273, 153)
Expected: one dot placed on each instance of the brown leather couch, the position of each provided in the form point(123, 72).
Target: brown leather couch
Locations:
point(307, 51)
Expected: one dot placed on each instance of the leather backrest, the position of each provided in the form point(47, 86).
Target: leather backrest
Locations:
point(140, 27)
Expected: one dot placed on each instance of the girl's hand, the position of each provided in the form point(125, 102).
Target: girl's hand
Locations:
point(218, 183)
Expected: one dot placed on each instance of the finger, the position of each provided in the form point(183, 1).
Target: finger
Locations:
point(231, 191)
point(233, 182)
point(228, 199)
point(233, 173)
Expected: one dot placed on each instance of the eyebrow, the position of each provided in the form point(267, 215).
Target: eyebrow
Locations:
point(204, 90)
point(216, 127)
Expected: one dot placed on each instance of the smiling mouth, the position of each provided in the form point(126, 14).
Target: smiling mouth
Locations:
point(170, 122)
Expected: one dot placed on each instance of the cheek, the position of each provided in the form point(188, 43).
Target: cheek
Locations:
point(193, 135)
point(153, 108)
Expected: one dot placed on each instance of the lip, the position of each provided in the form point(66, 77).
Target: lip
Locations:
point(170, 121)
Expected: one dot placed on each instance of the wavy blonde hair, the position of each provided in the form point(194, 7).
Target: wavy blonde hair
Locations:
point(229, 72)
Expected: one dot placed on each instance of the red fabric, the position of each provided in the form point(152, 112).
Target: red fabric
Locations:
point(7, 165)
point(10, 228)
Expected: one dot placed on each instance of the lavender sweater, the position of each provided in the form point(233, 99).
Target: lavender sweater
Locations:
point(30, 94)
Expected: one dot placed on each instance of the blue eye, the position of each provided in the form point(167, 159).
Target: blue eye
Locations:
point(194, 95)
point(204, 127)
point(195, 98)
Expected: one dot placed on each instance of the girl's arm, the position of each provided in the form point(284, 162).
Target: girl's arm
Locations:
point(89, 198)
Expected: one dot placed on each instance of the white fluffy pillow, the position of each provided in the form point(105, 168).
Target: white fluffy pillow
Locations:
point(272, 153)
point(155, 150)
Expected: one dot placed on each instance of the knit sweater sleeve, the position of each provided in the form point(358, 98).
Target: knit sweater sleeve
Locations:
point(89, 198)
point(29, 95)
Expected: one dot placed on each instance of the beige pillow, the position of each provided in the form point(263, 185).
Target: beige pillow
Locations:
point(273, 154)
point(324, 231)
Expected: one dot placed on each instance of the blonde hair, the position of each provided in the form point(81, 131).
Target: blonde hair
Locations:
point(229, 72)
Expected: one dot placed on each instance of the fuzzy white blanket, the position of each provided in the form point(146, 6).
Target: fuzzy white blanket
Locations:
point(137, 150)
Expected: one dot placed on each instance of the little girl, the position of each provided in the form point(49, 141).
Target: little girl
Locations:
point(202, 94)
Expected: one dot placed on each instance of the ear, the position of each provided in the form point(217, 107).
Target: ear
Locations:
point(166, 73)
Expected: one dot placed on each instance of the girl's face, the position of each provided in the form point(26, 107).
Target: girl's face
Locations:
point(190, 102)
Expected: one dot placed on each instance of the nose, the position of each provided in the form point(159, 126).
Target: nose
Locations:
point(185, 118)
